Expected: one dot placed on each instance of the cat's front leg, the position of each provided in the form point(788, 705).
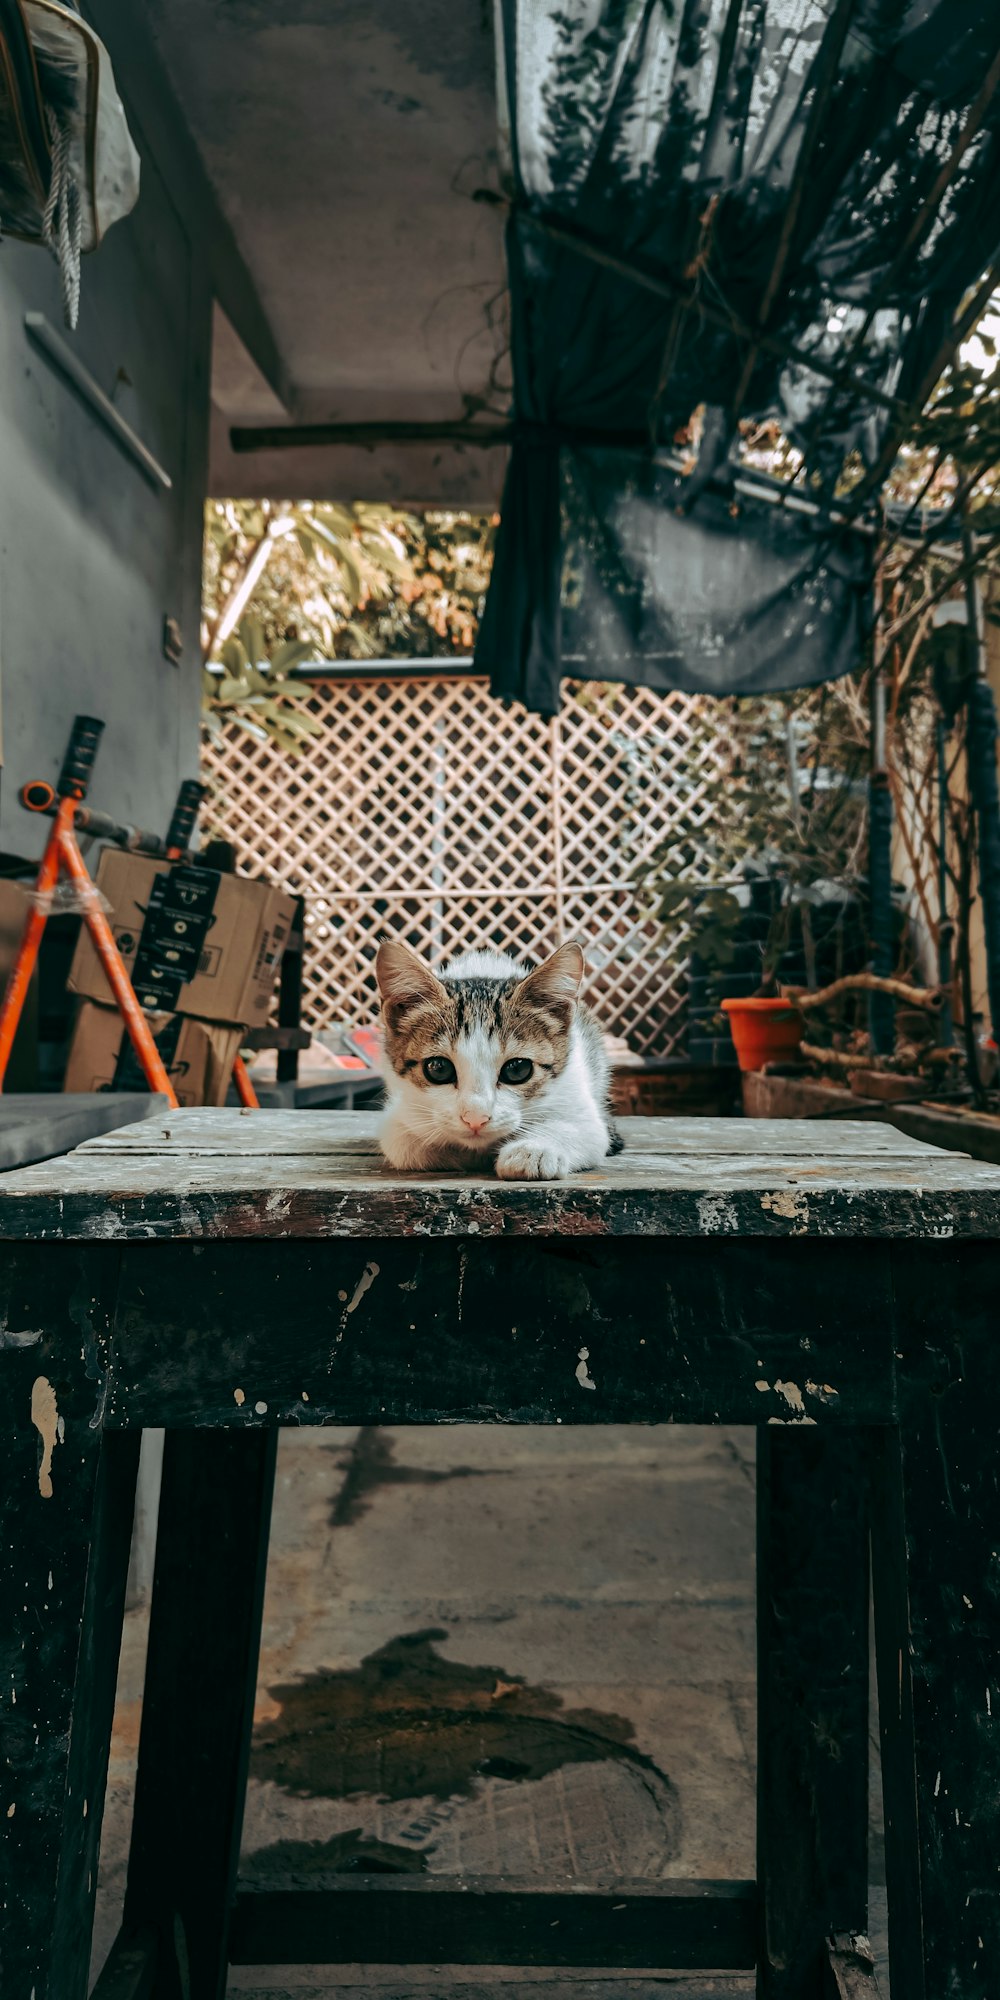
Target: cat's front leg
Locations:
point(552, 1152)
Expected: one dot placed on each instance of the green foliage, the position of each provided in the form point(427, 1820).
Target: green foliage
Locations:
point(788, 802)
point(355, 581)
point(330, 582)
point(246, 687)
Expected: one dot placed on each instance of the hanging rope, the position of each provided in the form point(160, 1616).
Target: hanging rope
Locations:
point(62, 221)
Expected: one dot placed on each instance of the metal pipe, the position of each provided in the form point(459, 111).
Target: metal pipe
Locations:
point(40, 797)
point(946, 929)
point(881, 1007)
point(983, 787)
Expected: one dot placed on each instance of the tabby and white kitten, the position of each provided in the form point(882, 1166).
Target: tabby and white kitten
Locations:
point(490, 1064)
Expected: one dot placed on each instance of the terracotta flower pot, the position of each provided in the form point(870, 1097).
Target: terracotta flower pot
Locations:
point(764, 1031)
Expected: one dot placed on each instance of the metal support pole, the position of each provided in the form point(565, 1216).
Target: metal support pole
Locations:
point(946, 929)
point(881, 1007)
point(982, 759)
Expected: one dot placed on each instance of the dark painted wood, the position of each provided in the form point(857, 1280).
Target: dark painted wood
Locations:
point(939, 1652)
point(895, 1712)
point(240, 1334)
point(850, 1969)
point(129, 1971)
point(812, 1702)
point(428, 1301)
point(204, 1636)
point(448, 1920)
point(66, 1501)
point(206, 1174)
point(290, 995)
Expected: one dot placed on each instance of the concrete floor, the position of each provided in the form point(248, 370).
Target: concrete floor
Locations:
point(517, 1651)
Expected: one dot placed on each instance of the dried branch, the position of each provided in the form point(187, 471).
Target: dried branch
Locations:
point(863, 982)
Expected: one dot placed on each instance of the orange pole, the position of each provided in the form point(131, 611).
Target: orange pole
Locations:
point(244, 1088)
point(27, 951)
point(110, 957)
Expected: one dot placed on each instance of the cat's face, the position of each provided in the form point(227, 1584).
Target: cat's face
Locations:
point(475, 1055)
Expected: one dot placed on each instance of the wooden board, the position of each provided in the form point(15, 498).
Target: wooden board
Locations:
point(241, 1133)
point(465, 1921)
point(225, 1173)
point(38, 1124)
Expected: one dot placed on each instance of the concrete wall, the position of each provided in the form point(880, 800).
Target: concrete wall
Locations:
point(93, 557)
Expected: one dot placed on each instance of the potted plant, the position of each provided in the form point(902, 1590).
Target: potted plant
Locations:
point(783, 837)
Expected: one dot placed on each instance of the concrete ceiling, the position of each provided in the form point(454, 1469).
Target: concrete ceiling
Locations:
point(344, 139)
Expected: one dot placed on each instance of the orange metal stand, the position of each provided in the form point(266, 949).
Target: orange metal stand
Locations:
point(62, 855)
point(244, 1088)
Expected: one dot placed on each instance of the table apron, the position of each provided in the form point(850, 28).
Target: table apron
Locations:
point(511, 1331)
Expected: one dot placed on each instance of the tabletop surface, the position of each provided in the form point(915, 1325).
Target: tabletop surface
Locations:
point(196, 1174)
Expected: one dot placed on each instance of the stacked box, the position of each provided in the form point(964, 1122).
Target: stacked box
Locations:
point(202, 951)
point(198, 1056)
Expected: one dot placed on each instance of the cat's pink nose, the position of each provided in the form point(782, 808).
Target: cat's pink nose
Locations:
point(475, 1120)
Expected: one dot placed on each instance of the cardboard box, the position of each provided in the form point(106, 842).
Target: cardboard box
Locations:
point(198, 1056)
point(193, 941)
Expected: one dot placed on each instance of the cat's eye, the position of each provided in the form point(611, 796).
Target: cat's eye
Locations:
point(438, 1069)
point(517, 1070)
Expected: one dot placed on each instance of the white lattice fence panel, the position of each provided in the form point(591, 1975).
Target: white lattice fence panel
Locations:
point(426, 808)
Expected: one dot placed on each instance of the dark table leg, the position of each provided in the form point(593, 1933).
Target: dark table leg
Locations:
point(936, 1551)
point(208, 1590)
point(67, 1492)
point(812, 1702)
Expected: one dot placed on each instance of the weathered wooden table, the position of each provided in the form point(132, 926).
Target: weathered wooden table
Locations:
point(225, 1273)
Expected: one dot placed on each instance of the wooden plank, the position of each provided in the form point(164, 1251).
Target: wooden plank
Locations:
point(939, 1685)
point(441, 1920)
point(703, 1176)
point(36, 1124)
point(96, 1196)
point(129, 1971)
point(66, 1494)
point(952, 1127)
point(895, 1714)
point(201, 1129)
point(414, 1330)
point(197, 1713)
point(812, 1701)
point(977, 1134)
point(850, 1969)
point(639, 1174)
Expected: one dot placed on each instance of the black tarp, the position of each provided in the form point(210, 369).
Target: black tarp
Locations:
point(776, 175)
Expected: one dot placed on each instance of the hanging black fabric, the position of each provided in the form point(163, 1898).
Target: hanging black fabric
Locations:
point(795, 189)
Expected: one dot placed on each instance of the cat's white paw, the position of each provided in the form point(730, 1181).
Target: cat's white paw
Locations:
point(520, 1161)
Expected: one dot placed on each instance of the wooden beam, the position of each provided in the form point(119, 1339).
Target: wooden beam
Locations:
point(293, 437)
point(499, 1327)
point(194, 1743)
point(449, 1920)
point(850, 1971)
point(129, 1970)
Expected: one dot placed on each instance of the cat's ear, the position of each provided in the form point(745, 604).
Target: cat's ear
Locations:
point(404, 981)
point(556, 983)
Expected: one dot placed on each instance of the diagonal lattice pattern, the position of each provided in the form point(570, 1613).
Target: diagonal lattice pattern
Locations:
point(427, 808)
